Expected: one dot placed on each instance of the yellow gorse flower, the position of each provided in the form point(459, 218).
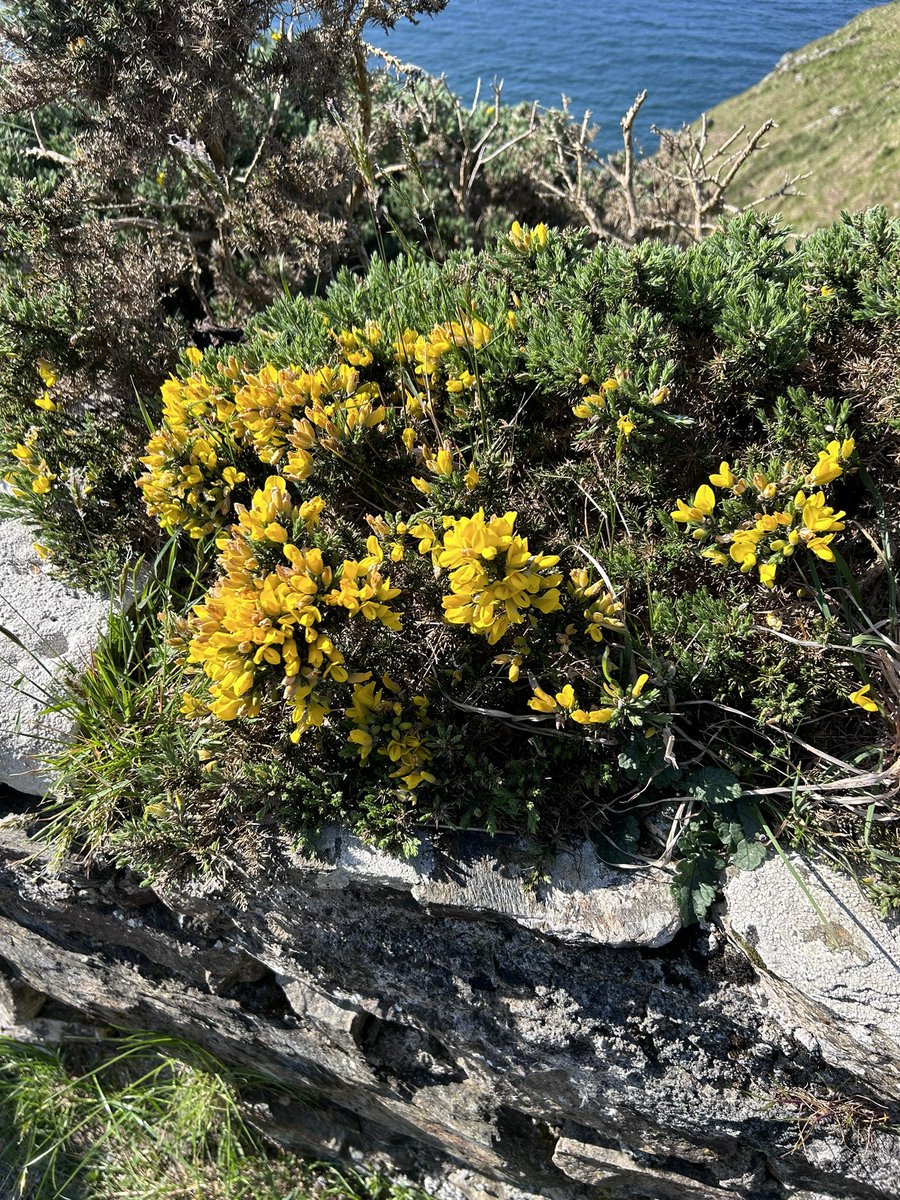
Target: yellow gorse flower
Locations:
point(594, 404)
point(48, 373)
point(267, 619)
point(525, 240)
point(828, 467)
point(384, 723)
point(601, 609)
point(695, 513)
point(30, 471)
point(724, 477)
point(862, 698)
point(184, 485)
point(493, 576)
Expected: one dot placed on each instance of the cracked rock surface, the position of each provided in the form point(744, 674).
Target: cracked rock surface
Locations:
point(485, 1044)
point(54, 627)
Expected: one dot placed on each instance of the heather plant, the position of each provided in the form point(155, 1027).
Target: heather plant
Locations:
point(164, 168)
point(543, 539)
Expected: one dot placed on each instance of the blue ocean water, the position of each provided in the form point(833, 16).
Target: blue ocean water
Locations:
point(689, 54)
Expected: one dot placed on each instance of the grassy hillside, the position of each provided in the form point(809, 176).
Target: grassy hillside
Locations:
point(837, 104)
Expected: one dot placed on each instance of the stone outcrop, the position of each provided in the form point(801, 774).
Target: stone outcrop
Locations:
point(439, 1017)
point(45, 628)
point(837, 962)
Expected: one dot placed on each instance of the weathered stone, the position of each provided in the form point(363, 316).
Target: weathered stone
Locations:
point(840, 965)
point(18, 1001)
point(53, 627)
point(583, 900)
point(462, 1046)
point(602, 1165)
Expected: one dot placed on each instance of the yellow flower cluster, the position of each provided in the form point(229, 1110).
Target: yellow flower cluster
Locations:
point(780, 523)
point(421, 355)
point(283, 614)
point(828, 467)
point(625, 414)
point(525, 240)
point(595, 402)
point(384, 724)
point(441, 464)
point(49, 377)
point(601, 610)
point(31, 469)
point(358, 344)
point(564, 704)
point(494, 578)
point(214, 428)
point(268, 618)
point(283, 414)
point(190, 469)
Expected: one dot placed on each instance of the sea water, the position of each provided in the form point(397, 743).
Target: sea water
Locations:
point(688, 54)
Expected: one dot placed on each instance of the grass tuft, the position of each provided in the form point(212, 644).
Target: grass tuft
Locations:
point(149, 1117)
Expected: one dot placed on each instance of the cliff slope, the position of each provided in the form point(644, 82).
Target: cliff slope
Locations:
point(837, 104)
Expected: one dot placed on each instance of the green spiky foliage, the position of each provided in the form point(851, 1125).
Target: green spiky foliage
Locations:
point(706, 440)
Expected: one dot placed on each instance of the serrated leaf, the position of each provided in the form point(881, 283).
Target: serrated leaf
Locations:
point(731, 832)
point(694, 886)
point(714, 786)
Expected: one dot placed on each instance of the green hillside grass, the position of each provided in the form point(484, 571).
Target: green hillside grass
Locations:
point(837, 104)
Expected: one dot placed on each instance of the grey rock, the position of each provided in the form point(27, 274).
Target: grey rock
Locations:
point(464, 1046)
point(54, 628)
point(582, 901)
point(603, 1165)
point(840, 965)
point(18, 1001)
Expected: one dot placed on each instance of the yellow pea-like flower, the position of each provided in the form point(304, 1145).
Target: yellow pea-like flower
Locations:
point(862, 698)
point(767, 574)
point(48, 373)
point(724, 477)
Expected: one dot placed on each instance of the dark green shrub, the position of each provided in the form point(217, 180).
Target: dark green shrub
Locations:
point(706, 607)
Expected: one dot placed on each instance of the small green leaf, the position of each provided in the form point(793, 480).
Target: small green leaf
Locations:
point(731, 832)
point(749, 855)
point(694, 885)
point(714, 786)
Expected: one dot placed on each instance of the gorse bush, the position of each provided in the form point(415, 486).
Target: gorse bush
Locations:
point(167, 170)
point(547, 538)
point(162, 167)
